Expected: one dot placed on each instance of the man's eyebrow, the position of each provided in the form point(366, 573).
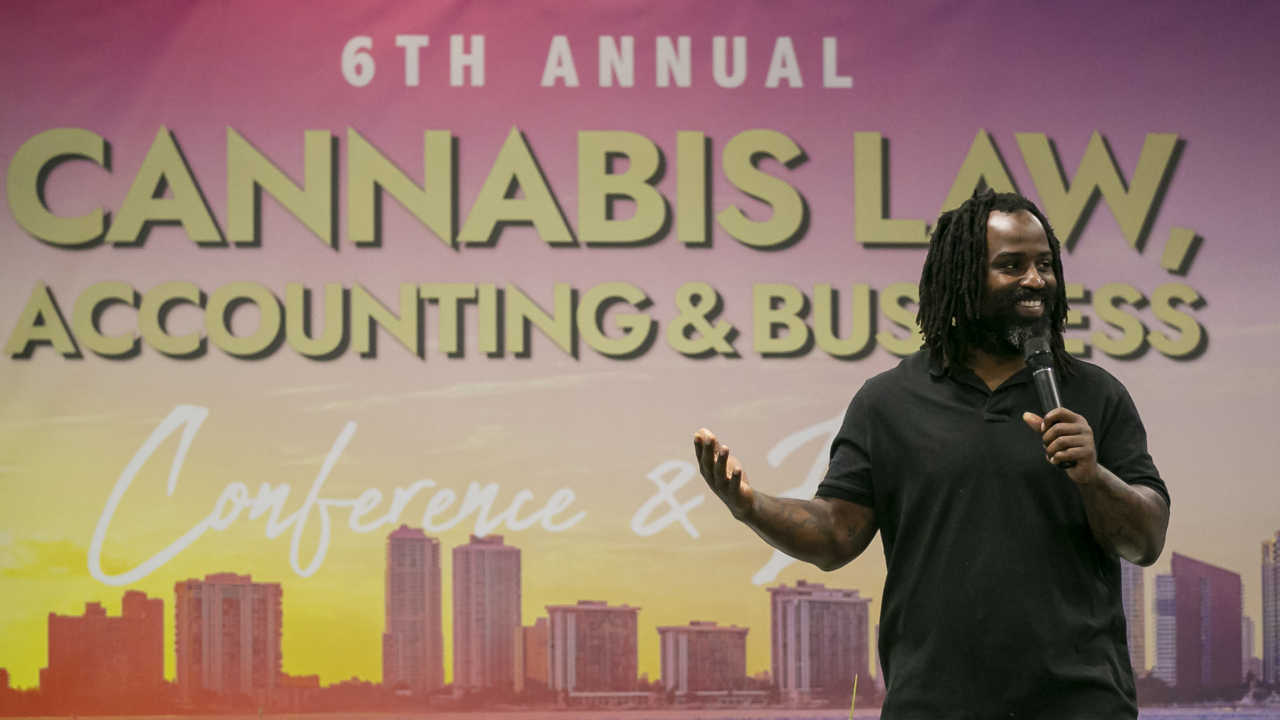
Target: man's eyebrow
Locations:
point(1021, 254)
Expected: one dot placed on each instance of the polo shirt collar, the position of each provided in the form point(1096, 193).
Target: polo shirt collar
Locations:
point(962, 374)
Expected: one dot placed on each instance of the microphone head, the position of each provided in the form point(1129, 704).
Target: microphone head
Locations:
point(1037, 353)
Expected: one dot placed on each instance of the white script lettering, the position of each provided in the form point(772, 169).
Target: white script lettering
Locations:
point(235, 498)
point(685, 471)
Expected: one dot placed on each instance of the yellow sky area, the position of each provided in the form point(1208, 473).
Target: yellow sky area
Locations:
point(68, 429)
point(60, 468)
point(333, 620)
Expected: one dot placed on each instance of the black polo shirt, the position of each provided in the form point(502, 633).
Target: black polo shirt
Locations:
point(998, 601)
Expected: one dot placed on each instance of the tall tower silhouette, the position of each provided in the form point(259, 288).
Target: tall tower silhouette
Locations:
point(1271, 609)
point(1132, 598)
point(1207, 612)
point(1166, 610)
point(228, 636)
point(413, 643)
point(486, 613)
point(819, 639)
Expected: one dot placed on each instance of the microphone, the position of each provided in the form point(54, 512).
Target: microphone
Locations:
point(1039, 358)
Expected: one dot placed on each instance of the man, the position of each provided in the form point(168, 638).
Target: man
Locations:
point(1002, 597)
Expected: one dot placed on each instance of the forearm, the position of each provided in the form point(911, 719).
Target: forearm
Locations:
point(1127, 520)
point(826, 532)
point(810, 530)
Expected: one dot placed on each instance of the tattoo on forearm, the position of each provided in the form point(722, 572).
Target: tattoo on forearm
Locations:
point(803, 529)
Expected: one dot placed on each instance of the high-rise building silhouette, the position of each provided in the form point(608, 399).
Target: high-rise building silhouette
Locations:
point(413, 639)
point(486, 613)
point(702, 657)
point(1271, 609)
point(94, 658)
point(531, 654)
point(1207, 600)
point(819, 639)
point(228, 636)
point(592, 647)
point(879, 667)
point(1166, 611)
point(1247, 659)
point(1132, 592)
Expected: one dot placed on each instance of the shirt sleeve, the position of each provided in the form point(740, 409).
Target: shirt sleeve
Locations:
point(1122, 446)
point(849, 471)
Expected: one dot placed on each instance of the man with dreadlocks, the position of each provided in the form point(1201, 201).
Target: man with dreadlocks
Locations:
point(1002, 596)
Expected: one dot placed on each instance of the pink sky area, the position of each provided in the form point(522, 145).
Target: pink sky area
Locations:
point(926, 78)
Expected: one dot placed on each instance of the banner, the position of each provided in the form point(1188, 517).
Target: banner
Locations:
point(279, 279)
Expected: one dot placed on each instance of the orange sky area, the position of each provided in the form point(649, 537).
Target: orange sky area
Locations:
point(60, 457)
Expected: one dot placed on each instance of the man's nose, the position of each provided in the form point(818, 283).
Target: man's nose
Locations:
point(1032, 279)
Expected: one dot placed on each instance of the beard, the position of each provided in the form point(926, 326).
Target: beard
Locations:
point(1001, 331)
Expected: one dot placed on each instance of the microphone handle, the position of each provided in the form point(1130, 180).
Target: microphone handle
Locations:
point(1047, 389)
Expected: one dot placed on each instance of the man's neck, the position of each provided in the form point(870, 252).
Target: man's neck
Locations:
point(994, 369)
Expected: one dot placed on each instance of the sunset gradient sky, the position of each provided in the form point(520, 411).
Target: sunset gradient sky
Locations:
point(927, 78)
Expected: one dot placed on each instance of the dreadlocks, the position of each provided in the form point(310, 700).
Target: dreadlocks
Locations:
point(955, 276)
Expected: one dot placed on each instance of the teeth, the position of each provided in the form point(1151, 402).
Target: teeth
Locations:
point(1029, 303)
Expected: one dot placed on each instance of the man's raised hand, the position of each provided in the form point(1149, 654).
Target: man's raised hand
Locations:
point(827, 532)
point(723, 473)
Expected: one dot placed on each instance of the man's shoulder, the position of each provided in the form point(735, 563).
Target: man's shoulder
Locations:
point(912, 369)
point(1097, 394)
point(1093, 377)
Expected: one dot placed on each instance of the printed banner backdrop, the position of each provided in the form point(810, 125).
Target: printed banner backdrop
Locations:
point(596, 229)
